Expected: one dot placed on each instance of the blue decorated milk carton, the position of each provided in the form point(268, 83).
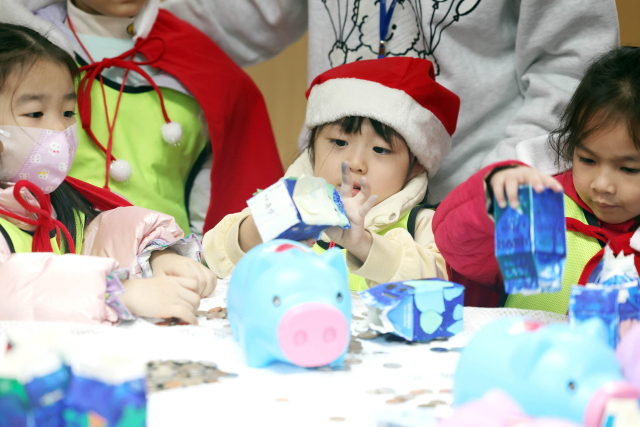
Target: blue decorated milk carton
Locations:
point(297, 209)
point(416, 310)
point(530, 242)
point(33, 383)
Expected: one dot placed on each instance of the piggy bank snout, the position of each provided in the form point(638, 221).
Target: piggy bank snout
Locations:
point(313, 334)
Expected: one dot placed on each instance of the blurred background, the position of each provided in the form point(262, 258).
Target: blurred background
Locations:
point(283, 81)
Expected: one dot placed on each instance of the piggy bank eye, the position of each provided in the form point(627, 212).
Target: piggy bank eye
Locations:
point(276, 301)
point(339, 297)
point(572, 386)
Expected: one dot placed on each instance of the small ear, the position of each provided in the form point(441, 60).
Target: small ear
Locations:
point(594, 328)
point(529, 353)
point(335, 259)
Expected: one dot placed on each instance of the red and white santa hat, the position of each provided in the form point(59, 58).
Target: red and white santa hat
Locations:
point(400, 92)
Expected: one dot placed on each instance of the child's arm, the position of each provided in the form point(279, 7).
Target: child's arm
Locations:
point(221, 245)
point(463, 229)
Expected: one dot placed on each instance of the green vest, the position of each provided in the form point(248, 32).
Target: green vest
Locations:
point(159, 170)
point(357, 283)
point(580, 249)
point(20, 241)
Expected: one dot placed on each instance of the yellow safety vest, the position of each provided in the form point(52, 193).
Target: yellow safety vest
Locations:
point(358, 283)
point(21, 241)
point(580, 249)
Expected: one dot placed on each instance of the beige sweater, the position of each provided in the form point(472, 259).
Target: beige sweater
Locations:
point(393, 257)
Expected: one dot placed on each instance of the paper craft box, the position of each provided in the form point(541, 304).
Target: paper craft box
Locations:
point(617, 307)
point(416, 310)
point(530, 242)
point(297, 209)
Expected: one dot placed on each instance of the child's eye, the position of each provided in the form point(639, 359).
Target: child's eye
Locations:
point(339, 142)
point(380, 150)
point(630, 171)
point(586, 161)
point(69, 114)
point(35, 115)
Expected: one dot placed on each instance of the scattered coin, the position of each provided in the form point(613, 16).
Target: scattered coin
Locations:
point(201, 313)
point(444, 390)
point(368, 335)
point(353, 361)
point(282, 399)
point(439, 349)
point(441, 339)
point(230, 375)
point(172, 384)
point(336, 419)
point(357, 318)
point(208, 364)
point(163, 375)
point(381, 390)
point(215, 310)
point(380, 352)
point(217, 315)
point(392, 365)
point(355, 346)
point(419, 392)
point(398, 399)
point(432, 404)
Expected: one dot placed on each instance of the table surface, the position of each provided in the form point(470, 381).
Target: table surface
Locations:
point(282, 394)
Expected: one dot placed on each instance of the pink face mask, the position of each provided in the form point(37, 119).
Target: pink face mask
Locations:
point(41, 156)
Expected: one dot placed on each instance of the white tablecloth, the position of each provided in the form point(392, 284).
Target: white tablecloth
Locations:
point(282, 394)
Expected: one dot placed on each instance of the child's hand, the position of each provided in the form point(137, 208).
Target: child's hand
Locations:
point(510, 179)
point(357, 239)
point(162, 297)
point(248, 235)
point(169, 263)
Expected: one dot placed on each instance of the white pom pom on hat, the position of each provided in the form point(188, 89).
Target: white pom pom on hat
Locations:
point(400, 92)
point(172, 132)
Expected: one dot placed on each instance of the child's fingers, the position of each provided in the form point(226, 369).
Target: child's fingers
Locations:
point(212, 281)
point(365, 189)
point(347, 182)
point(552, 183)
point(511, 188)
point(191, 298)
point(536, 182)
point(185, 314)
point(498, 183)
point(187, 283)
point(367, 206)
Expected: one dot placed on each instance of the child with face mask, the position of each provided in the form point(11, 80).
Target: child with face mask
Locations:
point(70, 251)
point(598, 141)
point(380, 130)
point(157, 101)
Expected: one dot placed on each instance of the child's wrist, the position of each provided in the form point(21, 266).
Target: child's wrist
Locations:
point(362, 249)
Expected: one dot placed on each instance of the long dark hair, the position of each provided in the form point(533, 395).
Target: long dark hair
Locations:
point(20, 49)
point(608, 94)
point(353, 125)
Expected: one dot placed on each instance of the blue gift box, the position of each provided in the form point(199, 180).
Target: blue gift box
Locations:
point(611, 304)
point(417, 310)
point(530, 242)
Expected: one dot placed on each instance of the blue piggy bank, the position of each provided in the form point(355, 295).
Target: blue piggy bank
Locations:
point(549, 370)
point(286, 303)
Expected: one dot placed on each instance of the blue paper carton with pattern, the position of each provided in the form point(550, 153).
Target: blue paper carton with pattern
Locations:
point(416, 310)
point(530, 242)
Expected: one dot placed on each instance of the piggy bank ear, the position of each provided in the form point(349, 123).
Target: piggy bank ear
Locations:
point(594, 328)
point(529, 353)
point(335, 259)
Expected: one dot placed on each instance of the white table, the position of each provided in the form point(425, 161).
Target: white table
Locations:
point(282, 394)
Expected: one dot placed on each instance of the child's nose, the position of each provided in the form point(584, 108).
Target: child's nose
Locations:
point(603, 183)
point(357, 163)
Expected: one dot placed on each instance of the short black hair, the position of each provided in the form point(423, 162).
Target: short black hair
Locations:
point(608, 94)
point(353, 125)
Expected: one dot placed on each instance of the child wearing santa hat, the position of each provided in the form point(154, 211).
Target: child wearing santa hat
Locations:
point(379, 130)
point(156, 98)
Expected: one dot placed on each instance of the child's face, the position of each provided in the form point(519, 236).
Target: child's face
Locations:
point(44, 97)
point(368, 154)
point(117, 8)
point(606, 174)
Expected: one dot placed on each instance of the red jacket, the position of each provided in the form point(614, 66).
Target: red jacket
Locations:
point(464, 234)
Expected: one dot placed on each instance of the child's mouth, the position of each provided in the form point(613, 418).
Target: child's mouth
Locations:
point(356, 190)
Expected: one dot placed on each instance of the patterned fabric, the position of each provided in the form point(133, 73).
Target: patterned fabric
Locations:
point(114, 290)
point(188, 246)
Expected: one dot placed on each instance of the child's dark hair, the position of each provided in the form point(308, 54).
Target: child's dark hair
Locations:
point(608, 94)
point(353, 125)
point(20, 49)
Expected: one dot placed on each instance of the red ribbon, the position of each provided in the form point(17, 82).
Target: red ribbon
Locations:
point(618, 244)
point(45, 223)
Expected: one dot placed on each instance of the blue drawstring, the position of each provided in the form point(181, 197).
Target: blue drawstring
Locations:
point(385, 20)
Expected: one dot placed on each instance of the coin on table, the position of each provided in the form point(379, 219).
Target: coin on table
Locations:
point(368, 335)
point(208, 364)
point(172, 384)
point(432, 404)
point(215, 310)
point(353, 361)
point(201, 313)
point(444, 390)
point(381, 390)
point(419, 392)
point(396, 400)
point(439, 349)
point(337, 419)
